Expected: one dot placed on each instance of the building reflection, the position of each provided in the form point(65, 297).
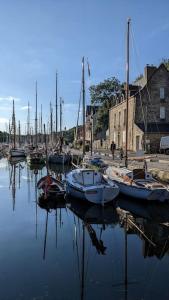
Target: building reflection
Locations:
point(148, 221)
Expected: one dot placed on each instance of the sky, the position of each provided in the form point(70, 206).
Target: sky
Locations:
point(38, 37)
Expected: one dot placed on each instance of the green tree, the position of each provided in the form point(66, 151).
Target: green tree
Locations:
point(105, 94)
point(165, 61)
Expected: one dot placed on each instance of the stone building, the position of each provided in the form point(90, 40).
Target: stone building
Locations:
point(148, 115)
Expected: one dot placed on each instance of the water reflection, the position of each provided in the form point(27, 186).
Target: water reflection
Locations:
point(15, 169)
point(97, 252)
point(150, 221)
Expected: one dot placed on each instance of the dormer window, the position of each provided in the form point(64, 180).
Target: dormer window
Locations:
point(162, 96)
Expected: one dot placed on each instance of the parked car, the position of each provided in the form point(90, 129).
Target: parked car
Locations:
point(164, 144)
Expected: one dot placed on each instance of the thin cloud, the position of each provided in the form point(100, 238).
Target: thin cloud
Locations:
point(9, 98)
point(4, 120)
point(158, 30)
point(5, 108)
point(25, 107)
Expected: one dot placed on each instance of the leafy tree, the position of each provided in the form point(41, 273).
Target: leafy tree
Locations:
point(139, 77)
point(105, 94)
point(165, 61)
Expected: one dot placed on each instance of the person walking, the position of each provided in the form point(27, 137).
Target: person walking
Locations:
point(121, 153)
point(112, 148)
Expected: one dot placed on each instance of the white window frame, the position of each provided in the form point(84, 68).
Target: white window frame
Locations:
point(162, 94)
point(162, 112)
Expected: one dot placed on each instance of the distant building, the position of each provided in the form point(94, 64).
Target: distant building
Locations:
point(148, 117)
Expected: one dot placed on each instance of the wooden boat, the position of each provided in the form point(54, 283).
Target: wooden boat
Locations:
point(59, 158)
point(138, 183)
point(35, 158)
point(90, 185)
point(51, 187)
point(15, 152)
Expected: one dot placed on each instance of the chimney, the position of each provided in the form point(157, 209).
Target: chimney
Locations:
point(148, 71)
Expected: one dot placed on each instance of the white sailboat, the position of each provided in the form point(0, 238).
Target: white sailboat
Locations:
point(137, 183)
point(88, 184)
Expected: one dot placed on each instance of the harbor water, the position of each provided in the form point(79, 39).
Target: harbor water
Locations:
point(71, 250)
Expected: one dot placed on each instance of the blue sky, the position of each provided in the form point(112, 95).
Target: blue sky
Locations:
point(39, 36)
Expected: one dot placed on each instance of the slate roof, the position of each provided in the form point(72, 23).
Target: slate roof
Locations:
point(154, 127)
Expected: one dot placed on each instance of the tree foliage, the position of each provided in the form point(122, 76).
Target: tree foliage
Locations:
point(105, 94)
point(165, 61)
point(139, 77)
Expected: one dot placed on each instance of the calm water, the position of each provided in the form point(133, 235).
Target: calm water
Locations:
point(75, 251)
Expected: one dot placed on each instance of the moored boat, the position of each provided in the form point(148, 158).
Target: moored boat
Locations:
point(35, 158)
point(90, 185)
point(138, 183)
point(15, 152)
point(51, 187)
point(59, 158)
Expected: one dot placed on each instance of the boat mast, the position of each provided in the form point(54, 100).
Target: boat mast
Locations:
point(41, 125)
point(61, 100)
point(28, 125)
point(36, 120)
point(51, 123)
point(56, 121)
point(127, 90)
point(14, 125)
point(19, 134)
point(83, 101)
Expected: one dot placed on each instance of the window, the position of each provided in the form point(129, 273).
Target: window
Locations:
point(162, 113)
point(114, 120)
point(119, 117)
point(161, 93)
point(124, 120)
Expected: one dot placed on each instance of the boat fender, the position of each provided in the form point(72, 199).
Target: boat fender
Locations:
point(126, 178)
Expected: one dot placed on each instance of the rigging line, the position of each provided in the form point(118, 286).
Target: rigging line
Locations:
point(88, 259)
point(163, 248)
point(80, 98)
point(77, 249)
point(138, 67)
point(135, 50)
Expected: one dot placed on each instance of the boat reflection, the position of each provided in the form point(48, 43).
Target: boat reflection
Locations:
point(149, 221)
point(15, 167)
point(92, 215)
point(50, 205)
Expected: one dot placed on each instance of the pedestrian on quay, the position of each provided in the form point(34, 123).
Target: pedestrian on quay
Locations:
point(121, 153)
point(113, 148)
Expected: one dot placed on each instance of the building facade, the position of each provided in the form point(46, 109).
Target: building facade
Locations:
point(148, 113)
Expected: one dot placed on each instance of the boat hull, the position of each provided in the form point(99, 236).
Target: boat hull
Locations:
point(96, 194)
point(59, 159)
point(143, 193)
point(17, 153)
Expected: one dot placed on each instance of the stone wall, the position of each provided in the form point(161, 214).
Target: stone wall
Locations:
point(117, 124)
point(148, 100)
